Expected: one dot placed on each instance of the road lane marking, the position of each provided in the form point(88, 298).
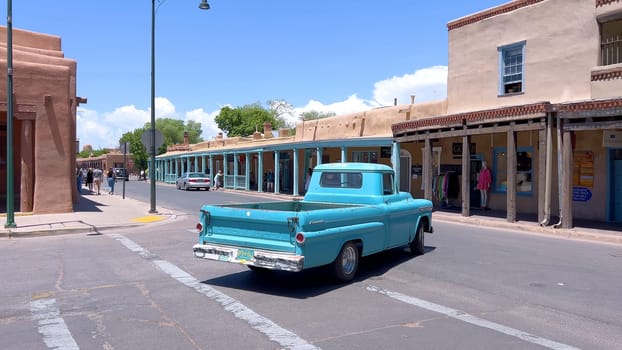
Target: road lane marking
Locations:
point(474, 320)
point(274, 332)
point(55, 333)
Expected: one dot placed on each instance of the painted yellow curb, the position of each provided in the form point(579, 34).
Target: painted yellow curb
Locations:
point(150, 218)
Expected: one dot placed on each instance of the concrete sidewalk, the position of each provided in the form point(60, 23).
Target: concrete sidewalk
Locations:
point(96, 213)
point(93, 213)
point(583, 230)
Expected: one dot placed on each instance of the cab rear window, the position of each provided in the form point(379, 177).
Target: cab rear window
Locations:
point(341, 179)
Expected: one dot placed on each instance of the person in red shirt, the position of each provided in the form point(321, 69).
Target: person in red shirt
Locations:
point(484, 181)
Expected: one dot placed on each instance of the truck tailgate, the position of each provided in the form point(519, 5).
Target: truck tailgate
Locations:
point(249, 228)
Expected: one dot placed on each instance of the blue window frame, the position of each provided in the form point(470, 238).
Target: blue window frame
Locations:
point(524, 170)
point(511, 68)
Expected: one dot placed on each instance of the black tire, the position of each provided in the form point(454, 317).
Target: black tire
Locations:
point(347, 263)
point(185, 187)
point(417, 246)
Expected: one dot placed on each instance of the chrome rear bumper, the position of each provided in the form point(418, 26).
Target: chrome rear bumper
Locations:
point(247, 256)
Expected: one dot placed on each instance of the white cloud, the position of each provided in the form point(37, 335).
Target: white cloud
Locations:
point(105, 130)
point(208, 126)
point(427, 84)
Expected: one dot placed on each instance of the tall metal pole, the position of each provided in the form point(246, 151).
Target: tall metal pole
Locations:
point(152, 170)
point(152, 166)
point(10, 212)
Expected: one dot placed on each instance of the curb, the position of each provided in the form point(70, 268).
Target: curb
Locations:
point(91, 229)
point(533, 228)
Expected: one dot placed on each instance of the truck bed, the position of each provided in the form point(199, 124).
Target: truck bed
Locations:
point(292, 206)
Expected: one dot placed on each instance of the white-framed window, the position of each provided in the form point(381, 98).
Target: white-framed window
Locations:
point(611, 42)
point(511, 68)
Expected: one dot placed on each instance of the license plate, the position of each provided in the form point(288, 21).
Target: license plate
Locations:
point(245, 254)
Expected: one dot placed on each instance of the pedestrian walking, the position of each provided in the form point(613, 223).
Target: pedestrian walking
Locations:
point(218, 180)
point(270, 180)
point(79, 180)
point(98, 175)
point(89, 179)
point(111, 179)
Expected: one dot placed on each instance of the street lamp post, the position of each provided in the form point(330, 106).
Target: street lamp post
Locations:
point(10, 212)
point(152, 149)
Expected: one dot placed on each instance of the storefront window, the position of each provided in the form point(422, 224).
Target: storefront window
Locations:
point(365, 156)
point(524, 170)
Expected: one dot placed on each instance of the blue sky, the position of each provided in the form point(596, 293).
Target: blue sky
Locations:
point(327, 55)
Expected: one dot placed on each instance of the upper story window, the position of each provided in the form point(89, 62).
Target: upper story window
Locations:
point(511, 65)
point(611, 42)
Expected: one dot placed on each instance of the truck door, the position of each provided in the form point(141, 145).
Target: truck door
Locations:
point(399, 218)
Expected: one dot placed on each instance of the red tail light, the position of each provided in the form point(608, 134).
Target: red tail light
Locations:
point(199, 227)
point(300, 238)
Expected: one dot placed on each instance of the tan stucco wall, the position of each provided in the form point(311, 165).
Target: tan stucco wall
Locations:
point(612, 8)
point(562, 45)
point(373, 123)
point(40, 70)
point(607, 87)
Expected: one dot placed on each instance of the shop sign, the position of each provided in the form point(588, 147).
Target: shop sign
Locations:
point(581, 194)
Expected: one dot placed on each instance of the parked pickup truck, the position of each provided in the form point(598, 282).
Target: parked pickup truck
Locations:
point(350, 210)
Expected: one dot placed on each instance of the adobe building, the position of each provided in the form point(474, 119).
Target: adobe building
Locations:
point(534, 88)
point(245, 161)
point(44, 124)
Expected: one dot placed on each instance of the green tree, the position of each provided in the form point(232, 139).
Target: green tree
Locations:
point(137, 149)
point(313, 114)
point(194, 131)
point(243, 121)
point(85, 153)
point(172, 131)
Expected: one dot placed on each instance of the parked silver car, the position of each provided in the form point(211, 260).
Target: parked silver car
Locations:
point(193, 180)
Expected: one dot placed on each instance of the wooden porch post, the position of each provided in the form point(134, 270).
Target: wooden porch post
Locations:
point(566, 180)
point(541, 173)
point(511, 175)
point(466, 172)
point(427, 169)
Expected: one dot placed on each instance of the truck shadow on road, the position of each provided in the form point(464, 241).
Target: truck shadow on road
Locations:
point(312, 282)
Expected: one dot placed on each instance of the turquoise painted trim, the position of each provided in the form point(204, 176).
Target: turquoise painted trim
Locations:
point(609, 164)
point(296, 172)
point(361, 142)
point(610, 200)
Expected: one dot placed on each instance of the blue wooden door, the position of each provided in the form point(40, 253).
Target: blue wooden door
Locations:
point(617, 190)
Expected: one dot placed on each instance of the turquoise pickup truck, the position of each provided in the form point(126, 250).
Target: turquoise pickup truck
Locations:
point(350, 210)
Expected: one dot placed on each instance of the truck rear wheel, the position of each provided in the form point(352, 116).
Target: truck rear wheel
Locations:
point(347, 262)
point(417, 246)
